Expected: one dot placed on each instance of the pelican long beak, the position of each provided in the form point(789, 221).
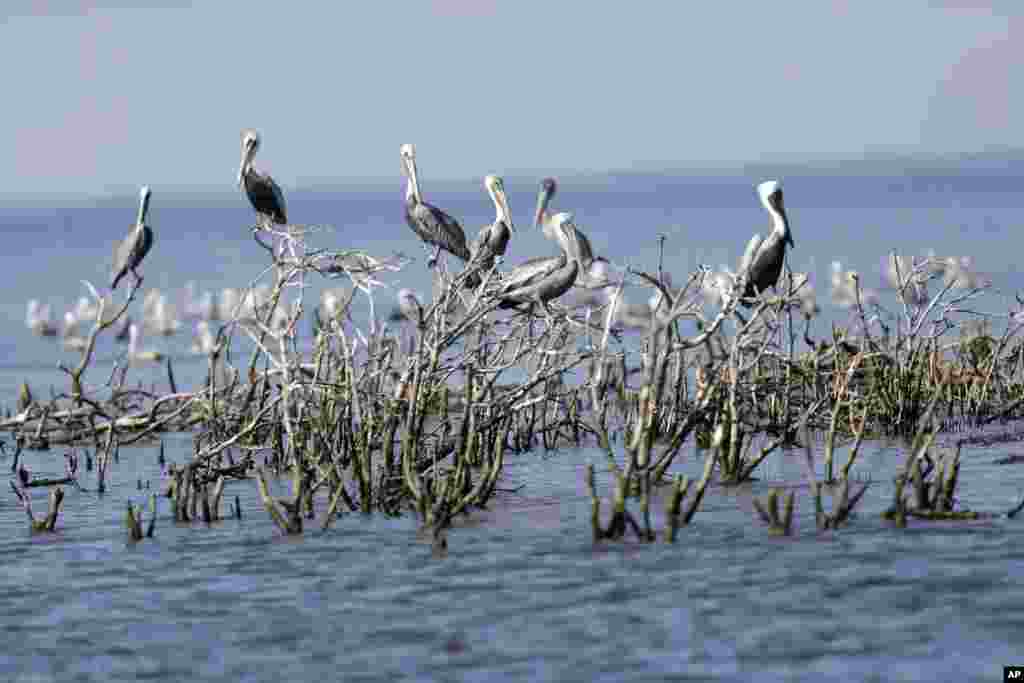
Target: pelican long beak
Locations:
point(543, 197)
point(502, 203)
point(414, 178)
point(247, 150)
point(143, 205)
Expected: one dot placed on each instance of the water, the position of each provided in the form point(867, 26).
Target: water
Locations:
point(523, 592)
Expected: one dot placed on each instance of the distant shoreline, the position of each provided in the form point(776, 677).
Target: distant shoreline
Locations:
point(1003, 162)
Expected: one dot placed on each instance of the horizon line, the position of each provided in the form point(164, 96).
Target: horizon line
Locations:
point(918, 161)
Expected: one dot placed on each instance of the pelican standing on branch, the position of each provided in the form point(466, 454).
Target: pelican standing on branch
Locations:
point(432, 224)
point(546, 221)
point(540, 280)
point(263, 192)
point(493, 239)
point(130, 252)
point(762, 260)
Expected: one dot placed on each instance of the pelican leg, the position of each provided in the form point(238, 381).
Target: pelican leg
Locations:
point(138, 278)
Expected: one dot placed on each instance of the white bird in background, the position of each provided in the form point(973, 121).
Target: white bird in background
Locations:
point(717, 286)
point(409, 308)
point(844, 288)
point(203, 340)
point(38, 320)
point(71, 325)
point(799, 285)
point(138, 356)
point(159, 316)
point(333, 302)
point(909, 277)
point(70, 338)
point(958, 272)
point(228, 304)
point(203, 308)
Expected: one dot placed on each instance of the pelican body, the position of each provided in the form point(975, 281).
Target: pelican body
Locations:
point(763, 259)
point(540, 280)
point(546, 221)
point(493, 239)
point(430, 223)
point(263, 192)
point(133, 248)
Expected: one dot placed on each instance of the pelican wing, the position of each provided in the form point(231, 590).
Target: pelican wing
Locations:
point(129, 252)
point(531, 271)
point(436, 227)
point(556, 283)
point(266, 196)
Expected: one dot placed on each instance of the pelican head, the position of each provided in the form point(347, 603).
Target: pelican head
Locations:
point(770, 193)
point(250, 143)
point(548, 187)
point(144, 194)
point(408, 154)
point(496, 188)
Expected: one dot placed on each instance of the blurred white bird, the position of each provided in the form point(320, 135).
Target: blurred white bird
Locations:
point(137, 356)
point(845, 286)
point(203, 340)
point(38, 320)
point(909, 277)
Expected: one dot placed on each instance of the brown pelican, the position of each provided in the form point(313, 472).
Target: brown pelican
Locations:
point(493, 239)
point(130, 252)
point(762, 260)
point(540, 280)
point(432, 224)
point(545, 220)
point(263, 192)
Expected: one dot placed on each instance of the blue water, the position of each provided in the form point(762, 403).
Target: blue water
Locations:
point(523, 592)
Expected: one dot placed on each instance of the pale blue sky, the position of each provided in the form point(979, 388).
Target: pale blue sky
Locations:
point(99, 97)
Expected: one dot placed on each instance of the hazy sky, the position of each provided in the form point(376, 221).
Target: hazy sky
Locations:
point(100, 96)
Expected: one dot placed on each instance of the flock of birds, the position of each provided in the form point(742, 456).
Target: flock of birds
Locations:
point(161, 316)
point(536, 281)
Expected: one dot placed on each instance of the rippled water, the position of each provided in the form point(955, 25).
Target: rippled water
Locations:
point(523, 592)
